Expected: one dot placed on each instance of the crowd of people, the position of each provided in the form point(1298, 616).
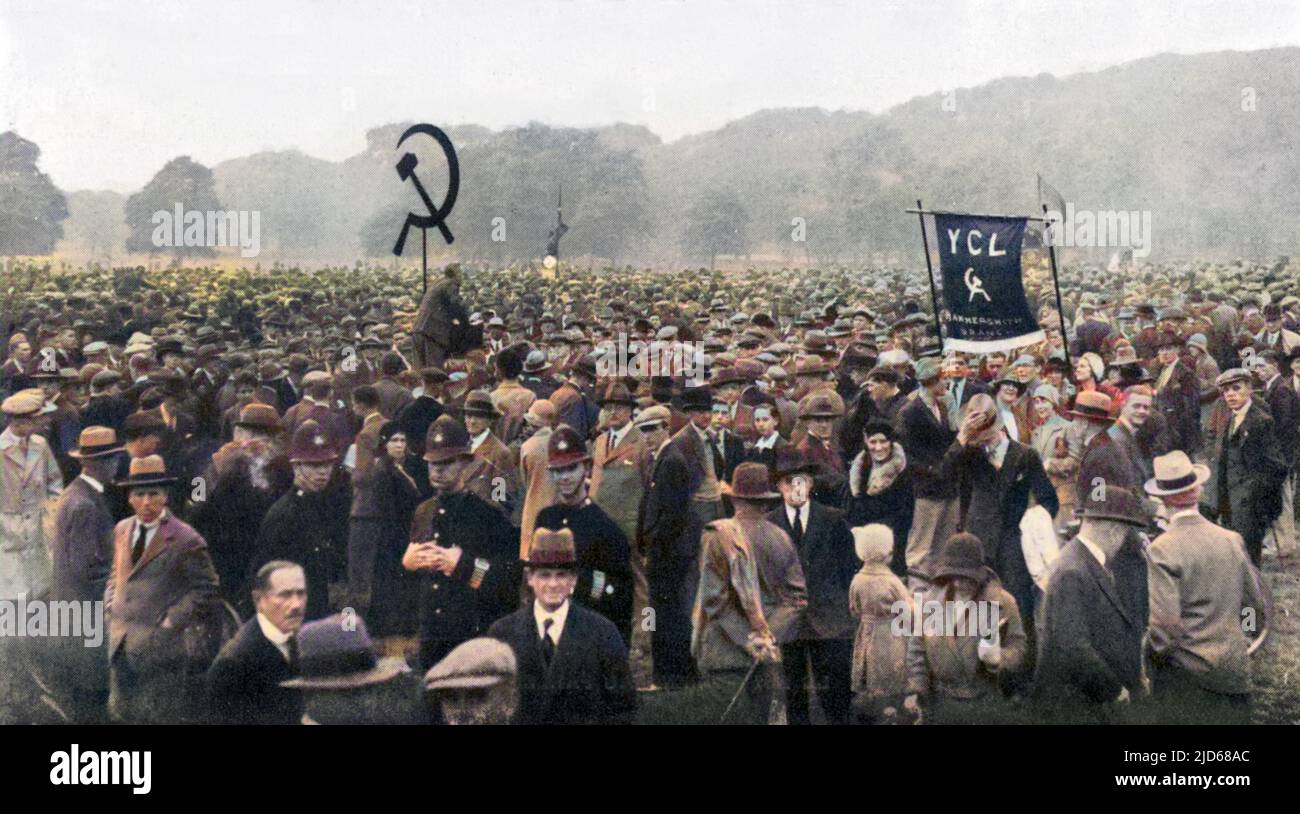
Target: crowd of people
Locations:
point(322, 496)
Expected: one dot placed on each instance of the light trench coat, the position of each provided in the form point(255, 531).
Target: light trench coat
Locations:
point(29, 489)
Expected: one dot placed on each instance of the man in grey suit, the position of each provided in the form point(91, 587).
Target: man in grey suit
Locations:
point(1209, 607)
point(82, 553)
point(162, 606)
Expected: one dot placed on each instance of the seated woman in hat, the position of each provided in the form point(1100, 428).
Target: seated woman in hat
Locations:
point(880, 488)
point(966, 634)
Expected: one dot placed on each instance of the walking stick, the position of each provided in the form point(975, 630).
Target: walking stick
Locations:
point(739, 690)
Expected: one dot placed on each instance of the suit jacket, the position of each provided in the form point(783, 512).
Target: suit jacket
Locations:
point(1201, 581)
point(243, 685)
point(363, 496)
point(393, 397)
point(416, 418)
point(1284, 406)
point(1248, 471)
point(588, 680)
point(1179, 401)
point(667, 527)
point(925, 441)
point(829, 563)
point(158, 607)
point(626, 479)
point(1090, 645)
point(82, 551)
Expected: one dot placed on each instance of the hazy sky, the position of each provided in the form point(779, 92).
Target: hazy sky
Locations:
point(111, 91)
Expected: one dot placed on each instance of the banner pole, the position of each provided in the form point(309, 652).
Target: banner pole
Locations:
point(934, 297)
point(1056, 283)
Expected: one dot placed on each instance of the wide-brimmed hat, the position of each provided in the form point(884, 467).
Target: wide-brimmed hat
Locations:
point(1093, 405)
point(1116, 503)
point(1175, 473)
point(565, 448)
point(552, 549)
point(752, 481)
point(96, 442)
point(446, 439)
point(258, 416)
point(1020, 386)
point(311, 445)
point(790, 460)
point(962, 556)
point(150, 470)
point(336, 653)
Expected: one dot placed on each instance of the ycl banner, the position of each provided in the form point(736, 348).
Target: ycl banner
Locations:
point(984, 301)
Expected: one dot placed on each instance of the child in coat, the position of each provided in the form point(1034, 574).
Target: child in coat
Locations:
point(884, 610)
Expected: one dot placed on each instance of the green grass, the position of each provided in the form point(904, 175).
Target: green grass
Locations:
point(1276, 667)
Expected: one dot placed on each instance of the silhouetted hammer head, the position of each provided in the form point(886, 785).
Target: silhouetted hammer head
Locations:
point(406, 166)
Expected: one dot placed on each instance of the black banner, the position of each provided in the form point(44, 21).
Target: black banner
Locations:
point(984, 303)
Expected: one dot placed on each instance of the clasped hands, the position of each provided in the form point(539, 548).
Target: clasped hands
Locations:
point(429, 556)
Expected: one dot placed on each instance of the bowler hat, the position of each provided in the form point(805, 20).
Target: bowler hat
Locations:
point(790, 460)
point(694, 399)
point(823, 403)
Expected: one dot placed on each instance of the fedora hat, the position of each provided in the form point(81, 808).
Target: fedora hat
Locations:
point(336, 653)
point(791, 461)
point(479, 403)
point(147, 471)
point(258, 416)
point(446, 439)
point(726, 375)
point(552, 549)
point(1175, 473)
point(752, 481)
point(310, 445)
point(1093, 405)
point(565, 448)
point(1116, 503)
point(695, 399)
point(96, 442)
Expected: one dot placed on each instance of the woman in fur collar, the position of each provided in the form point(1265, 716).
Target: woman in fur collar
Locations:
point(880, 488)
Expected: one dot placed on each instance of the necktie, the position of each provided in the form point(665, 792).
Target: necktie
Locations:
point(797, 528)
point(548, 646)
point(718, 466)
point(137, 550)
point(292, 646)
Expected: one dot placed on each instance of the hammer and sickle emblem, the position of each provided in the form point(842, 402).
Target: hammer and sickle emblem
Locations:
point(406, 171)
point(975, 285)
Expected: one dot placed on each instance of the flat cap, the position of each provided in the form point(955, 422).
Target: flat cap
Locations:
point(1231, 375)
point(481, 662)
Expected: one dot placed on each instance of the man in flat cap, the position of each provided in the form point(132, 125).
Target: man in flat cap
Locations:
point(573, 666)
point(1248, 466)
point(476, 683)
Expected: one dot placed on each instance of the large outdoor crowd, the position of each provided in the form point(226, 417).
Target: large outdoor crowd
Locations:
point(324, 496)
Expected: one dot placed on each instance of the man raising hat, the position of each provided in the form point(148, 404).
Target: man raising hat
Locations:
point(1209, 606)
point(572, 661)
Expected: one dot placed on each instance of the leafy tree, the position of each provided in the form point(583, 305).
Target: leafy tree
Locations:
point(32, 209)
point(181, 181)
point(96, 227)
point(715, 224)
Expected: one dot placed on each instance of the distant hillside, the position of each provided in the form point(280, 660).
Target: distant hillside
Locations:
point(1175, 135)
